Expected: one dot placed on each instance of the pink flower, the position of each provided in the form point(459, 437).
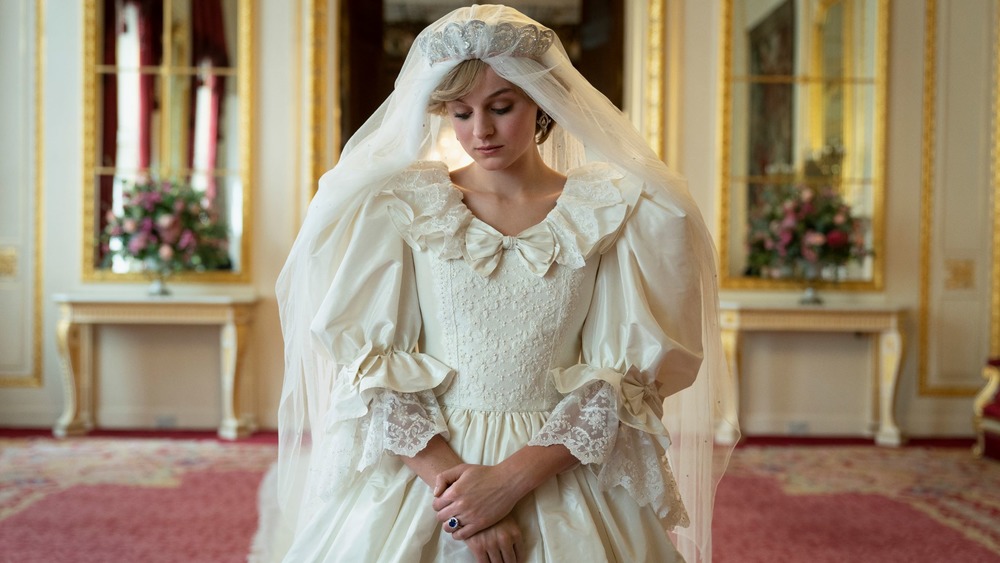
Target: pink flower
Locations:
point(129, 225)
point(137, 243)
point(166, 252)
point(147, 225)
point(840, 218)
point(187, 240)
point(808, 194)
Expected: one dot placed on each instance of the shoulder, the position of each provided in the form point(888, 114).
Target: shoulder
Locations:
point(596, 202)
point(424, 205)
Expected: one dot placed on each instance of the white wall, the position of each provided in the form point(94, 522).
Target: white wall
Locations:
point(152, 372)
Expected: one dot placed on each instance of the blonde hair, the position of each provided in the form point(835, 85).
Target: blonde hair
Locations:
point(463, 79)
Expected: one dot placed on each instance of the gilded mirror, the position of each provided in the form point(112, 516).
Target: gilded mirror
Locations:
point(803, 119)
point(167, 99)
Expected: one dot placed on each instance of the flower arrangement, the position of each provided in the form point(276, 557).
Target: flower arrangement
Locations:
point(800, 231)
point(167, 227)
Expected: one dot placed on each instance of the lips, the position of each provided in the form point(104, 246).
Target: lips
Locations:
point(489, 149)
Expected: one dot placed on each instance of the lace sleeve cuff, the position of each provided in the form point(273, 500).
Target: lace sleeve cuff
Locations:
point(401, 423)
point(395, 422)
point(585, 422)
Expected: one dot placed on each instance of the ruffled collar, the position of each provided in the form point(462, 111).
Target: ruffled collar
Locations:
point(429, 213)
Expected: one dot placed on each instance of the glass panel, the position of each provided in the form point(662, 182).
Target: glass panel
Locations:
point(131, 34)
point(128, 113)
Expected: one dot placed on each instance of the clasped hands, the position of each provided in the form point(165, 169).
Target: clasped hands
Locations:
point(481, 497)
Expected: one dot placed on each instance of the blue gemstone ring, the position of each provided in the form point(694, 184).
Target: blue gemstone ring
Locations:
point(453, 523)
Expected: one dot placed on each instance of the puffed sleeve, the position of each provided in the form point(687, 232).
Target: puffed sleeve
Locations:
point(384, 397)
point(642, 341)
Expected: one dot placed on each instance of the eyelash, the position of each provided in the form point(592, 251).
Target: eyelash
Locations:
point(498, 111)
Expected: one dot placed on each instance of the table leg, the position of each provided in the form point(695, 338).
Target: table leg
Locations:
point(233, 347)
point(75, 355)
point(726, 434)
point(890, 345)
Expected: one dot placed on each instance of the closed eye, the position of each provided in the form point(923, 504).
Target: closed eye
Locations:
point(465, 115)
point(503, 110)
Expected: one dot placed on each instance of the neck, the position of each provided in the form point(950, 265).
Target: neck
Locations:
point(522, 178)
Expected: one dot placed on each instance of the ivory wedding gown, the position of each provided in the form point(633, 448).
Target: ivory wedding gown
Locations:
point(554, 336)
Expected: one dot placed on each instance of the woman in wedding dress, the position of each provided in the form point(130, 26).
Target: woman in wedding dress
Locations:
point(512, 355)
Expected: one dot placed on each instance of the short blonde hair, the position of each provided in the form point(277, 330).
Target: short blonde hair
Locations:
point(463, 79)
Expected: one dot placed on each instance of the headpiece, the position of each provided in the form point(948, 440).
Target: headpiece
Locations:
point(475, 39)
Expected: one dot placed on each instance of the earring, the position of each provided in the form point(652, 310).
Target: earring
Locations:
point(543, 121)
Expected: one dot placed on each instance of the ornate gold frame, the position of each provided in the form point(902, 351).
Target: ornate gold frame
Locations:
point(927, 211)
point(728, 281)
point(321, 147)
point(245, 81)
point(38, 297)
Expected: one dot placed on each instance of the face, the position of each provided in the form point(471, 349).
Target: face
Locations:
point(495, 122)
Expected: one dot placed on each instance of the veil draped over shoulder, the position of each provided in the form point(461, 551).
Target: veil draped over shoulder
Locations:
point(401, 131)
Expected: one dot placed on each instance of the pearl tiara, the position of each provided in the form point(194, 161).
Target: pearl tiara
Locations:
point(475, 39)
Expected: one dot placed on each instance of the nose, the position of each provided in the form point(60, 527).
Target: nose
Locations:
point(483, 126)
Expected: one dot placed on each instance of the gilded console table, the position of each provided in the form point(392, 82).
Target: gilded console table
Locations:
point(80, 313)
point(883, 323)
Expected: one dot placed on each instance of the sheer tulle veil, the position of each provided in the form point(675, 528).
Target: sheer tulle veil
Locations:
point(402, 131)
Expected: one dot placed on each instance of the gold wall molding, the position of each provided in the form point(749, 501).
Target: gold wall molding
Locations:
point(35, 378)
point(655, 77)
point(959, 273)
point(995, 270)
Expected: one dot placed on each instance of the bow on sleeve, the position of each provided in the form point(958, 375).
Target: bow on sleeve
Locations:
point(484, 246)
point(639, 402)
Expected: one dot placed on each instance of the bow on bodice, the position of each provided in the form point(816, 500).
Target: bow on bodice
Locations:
point(484, 246)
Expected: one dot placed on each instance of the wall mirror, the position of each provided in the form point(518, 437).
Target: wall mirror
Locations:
point(803, 113)
point(167, 97)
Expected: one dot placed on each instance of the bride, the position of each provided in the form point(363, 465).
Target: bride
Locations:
point(512, 356)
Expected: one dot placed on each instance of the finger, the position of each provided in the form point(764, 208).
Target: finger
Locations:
point(509, 553)
point(446, 478)
point(439, 504)
point(466, 531)
point(495, 555)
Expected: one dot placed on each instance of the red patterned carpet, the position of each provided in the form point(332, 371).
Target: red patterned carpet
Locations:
point(859, 504)
point(153, 500)
point(108, 500)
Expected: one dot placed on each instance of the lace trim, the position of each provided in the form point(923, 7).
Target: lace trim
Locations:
point(397, 423)
point(639, 465)
point(586, 422)
point(401, 423)
point(428, 211)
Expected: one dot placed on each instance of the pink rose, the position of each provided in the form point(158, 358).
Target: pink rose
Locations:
point(129, 226)
point(166, 252)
